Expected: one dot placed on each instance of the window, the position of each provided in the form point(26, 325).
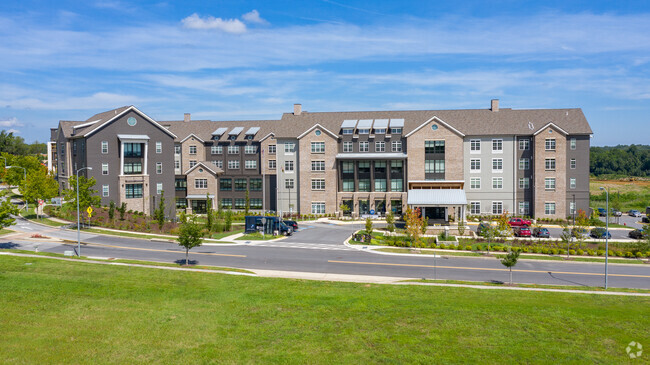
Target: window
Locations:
point(497, 208)
point(475, 145)
point(180, 185)
point(396, 185)
point(524, 183)
point(348, 130)
point(524, 164)
point(396, 130)
point(288, 166)
point(318, 147)
point(240, 203)
point(348, 185)
point(104, 169)
point(475, 208)
point(289, 147)
point(288, 184)
point(226, 203)
point(475, 183)
point(241, 184)
point(348, 167)
point(233, 164)
point(549, 183)
point(272, 165)
point(363, 146)
point(158, 147)
point(133, 191)
point(104, 148)
point(225, 184)
point(573, 163)
point(550, 144)
point(497, 145)
point(181, 203)
point(524, 208)
point(200, 183)
point(177, 164)
point(549, 164)
point(380, 131)
point(396, 146)
point(218, 163)
point(318, 184)
point(250, 150)
point(132, 150)
point(272, 149)
point(497, 183)
point(177, 149)
point(250, 164)
point(347, 146)
point(380, 184)
point(572, 143)
point(434, 146)
point(105, 190)
point(549, 208)
point(318, 166)
point(434, 166)
point(363, 131)
point(380, 146)
point(159, 188)
point(524, 144)
point(256, 203)
point(396, 167)
point(497, 165)
point(192, 163)
point(216, 150)
point(475, 165)
point(192, 150)
point(364, 167)
point(572, 183)
point(364, 184)
point(317, 208)
point(158, 167)
point(132, 168)
point(380, 168)
point(255, 184)
point(63, 168)
point(233, 150)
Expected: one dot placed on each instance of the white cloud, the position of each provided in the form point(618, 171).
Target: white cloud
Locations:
point(14, 131)
point(99, 100)
point(253, 17)
point(10, 122)
point(234, 26)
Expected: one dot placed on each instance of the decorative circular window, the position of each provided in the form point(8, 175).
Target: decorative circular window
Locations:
point(550, 131)
point(317, 132)
point(200, 170)
point(131, 121)
point(434, 127)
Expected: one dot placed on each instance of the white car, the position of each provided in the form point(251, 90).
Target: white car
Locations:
point(634, 213)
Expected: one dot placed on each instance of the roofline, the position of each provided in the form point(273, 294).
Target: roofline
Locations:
point(202, 164)
point(85, 124)
point(139, 112)
point(550, 124)
point(439, 121)
point(190, 135)
point(267, 136)
point(336, 136)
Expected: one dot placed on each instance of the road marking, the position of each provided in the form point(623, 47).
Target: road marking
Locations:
point(155, 250)
point(486, 269)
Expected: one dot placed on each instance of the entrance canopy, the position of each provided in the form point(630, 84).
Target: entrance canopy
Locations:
point(436, 197)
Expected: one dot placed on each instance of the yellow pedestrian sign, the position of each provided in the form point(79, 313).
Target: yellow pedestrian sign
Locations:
point(89, 211)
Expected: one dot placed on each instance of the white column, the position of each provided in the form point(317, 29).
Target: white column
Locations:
point(121, 158)
point(146, 157)
point(49, 156)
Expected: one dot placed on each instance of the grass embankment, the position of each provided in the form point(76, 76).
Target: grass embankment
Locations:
point(633, 194)
point(4, 231)
point(532, 286)
point(257, 237)
point(31, 215)
point(131, 314)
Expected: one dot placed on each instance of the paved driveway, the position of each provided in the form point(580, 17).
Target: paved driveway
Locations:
point(322, 233)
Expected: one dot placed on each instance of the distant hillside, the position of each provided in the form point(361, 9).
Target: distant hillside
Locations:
point(620, 161)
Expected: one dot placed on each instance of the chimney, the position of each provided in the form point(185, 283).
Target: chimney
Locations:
point(297, 109)
point(186, 118)
point(495, 105)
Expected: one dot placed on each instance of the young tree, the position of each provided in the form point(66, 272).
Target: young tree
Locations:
point(87, 195)
point(414, 223)
point(248, 202)
point(510, 260)
point(183, 217)
point(390, 220)
point(368, 226)
point(39, 185)
point(122, 210)
point(489, 234)
point(111, 210)
point(6, 211)
point(209, 218)
point(228, 221)
point(566, 237)
point(159, 213)
point(503, 228)
point(461, 228)
point(190, 236)
point(344, 208)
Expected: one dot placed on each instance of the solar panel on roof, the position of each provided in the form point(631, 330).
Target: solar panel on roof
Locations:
point(396, 123)
point(235, 131)
point(364, 124)
point(219, 131)
point(381, 123)
point(252, 131)
point(349, 123)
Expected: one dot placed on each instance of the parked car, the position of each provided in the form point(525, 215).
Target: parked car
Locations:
point(541, 232)
point(600, 233)
point(580, 233)
point(637, 234)
point(634, 213)
point(616, 213)
point(645, 220)
point(292, 224)
point(482, 227)
point(285, 229)
point(519, 222)
point(602, 212)
point(522, 232)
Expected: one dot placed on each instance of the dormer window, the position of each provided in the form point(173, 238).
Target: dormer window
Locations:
point(363, 131)
point(348, 131)
point(380, 131)
point(232, 138)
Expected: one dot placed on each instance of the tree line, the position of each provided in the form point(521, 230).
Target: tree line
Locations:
point(15, 145)
point(619, 161)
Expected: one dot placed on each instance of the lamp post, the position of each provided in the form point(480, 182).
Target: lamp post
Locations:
point(606, 230)
point(24, 178)
point(78, 229)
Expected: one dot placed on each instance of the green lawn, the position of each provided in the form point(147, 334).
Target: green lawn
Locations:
point(4, 231)
point(221, 235)
point(70, 312)
point(257, 237)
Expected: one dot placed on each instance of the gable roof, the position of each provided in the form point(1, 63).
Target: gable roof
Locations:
point(550, 124)
point(213, 169)
point(438, 120)
point(336, 136)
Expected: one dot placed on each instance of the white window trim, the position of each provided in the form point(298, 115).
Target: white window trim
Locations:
point(501, 188)
point(158, 164)
point(554, 184)
point(479, 147)
point(107, 169)
point(158, 144)
point(554, 208)
point(479, 183)
point(497, 170)
point(470, 166)
point(104, 143)
point(492, 207)
point(479, 207)
point(497, 151)
point(106, 190)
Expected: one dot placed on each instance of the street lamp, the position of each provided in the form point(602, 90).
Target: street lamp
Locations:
point(606, 230)
point(24, 178)
point(78, 229)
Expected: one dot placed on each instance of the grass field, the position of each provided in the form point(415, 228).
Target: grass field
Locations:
point(633, 194)
point(71, 312)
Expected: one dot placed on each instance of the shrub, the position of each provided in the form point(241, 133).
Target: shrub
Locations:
point(610, 253)
point(555, 251)
point(443, 246)
point(591, 252)
point(580, 252)
point(618, 253)
point(468, 248)
point(546, 250)
point(639, 255)
point(629, 254)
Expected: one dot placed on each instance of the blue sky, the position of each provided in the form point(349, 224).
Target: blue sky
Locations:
point(229, 60)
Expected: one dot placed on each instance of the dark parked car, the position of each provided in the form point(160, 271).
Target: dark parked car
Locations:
point(522, 232)
point(637, 234)
point(541, 232)
point(602, 212)
point(293, 224)
point(645, 220)
point(600, 233)
point(481, 228)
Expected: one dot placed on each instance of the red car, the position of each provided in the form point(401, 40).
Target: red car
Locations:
point(519, 222)
point(522, 232)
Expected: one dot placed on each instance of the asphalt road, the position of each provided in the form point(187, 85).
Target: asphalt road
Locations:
point(318, 248)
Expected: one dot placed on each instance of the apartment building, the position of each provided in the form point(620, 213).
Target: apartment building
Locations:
point(449, 163)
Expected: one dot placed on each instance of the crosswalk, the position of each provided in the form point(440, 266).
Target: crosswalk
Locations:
point(308, 246)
